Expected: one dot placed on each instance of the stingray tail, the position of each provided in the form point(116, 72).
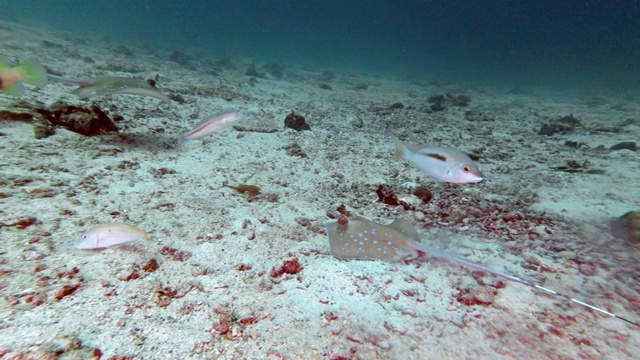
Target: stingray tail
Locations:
point(458, 260)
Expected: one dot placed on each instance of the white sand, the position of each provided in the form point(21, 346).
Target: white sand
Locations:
point(193, 307)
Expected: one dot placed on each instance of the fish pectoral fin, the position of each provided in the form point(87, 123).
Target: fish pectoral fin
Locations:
point(405, 227)
point(355, 217)
point(399, 148)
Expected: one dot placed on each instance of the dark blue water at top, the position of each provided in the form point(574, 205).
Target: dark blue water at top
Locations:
point(586, 44)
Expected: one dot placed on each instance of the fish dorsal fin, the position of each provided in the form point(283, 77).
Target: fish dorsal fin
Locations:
point(414, 148)
point(405, 227)
point(364, 239)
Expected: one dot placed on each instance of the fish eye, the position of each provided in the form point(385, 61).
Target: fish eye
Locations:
point(466, 169)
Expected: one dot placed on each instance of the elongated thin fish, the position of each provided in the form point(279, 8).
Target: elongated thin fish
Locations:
point(364, 239)
point(212, 124)
point(108, 235)
point(447, 164)
point(112, 85)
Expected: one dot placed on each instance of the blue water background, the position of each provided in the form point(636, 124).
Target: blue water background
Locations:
point(585, 45)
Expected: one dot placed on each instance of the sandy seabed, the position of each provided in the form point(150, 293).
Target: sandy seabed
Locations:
point(219, 275)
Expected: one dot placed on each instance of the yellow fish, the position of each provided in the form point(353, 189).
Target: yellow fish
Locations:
point(12, 78)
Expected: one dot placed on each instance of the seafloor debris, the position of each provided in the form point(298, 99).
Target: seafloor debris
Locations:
point(296, 122)
point(625, 145)
point(290, 267)
point(181, 58)
point(560, 126)
point(441, 102)
point(253, 72)
point(387, 196)
point(423, 193)
point(88, 121)
point(327, 76)
point(275, 69)
point(573, 166)
point(250, 190)
point(295, 150)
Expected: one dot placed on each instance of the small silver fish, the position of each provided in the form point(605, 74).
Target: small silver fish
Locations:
point(446, 164)
point(212, 124)
point(108, 235)
point(358, 238)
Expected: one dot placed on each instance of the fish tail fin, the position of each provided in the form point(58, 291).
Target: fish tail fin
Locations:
point(180, 141)
point(16, 89)
point(399, 148)
point(34, 73)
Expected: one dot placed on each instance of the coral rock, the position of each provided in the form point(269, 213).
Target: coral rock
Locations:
point(296, 122)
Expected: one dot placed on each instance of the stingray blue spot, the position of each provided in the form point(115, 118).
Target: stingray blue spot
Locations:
point(375, 242)
point(389, 243)
point(361, 243)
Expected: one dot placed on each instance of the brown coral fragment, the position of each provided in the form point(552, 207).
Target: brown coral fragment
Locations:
point(67, 290)
point(151, 265)
point(387, 196)
point(291, 267)
point(15, 116)
point(250, 190)
point(296, 122)
point(483, 296)
point(88, 121)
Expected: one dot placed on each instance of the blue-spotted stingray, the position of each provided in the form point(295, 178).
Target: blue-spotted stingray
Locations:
point(358, 238)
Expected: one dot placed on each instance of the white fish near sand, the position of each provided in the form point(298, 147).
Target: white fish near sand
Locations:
point(446, 164)
point(212, 124)
point(108, 235)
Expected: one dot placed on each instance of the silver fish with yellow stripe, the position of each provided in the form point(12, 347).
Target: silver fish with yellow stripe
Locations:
point(446, 164)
